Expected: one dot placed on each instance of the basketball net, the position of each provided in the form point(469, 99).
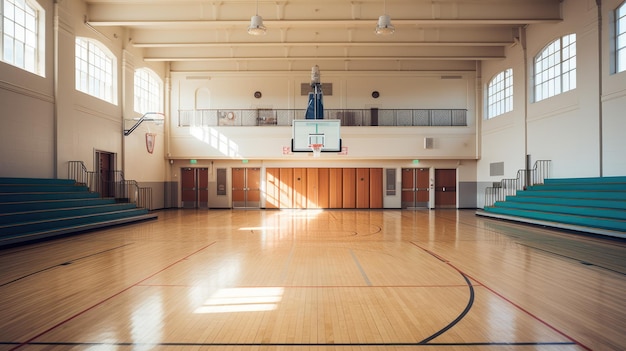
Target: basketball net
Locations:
point(317, 149)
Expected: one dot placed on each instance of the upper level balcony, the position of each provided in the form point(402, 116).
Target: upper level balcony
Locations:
point(348, 117)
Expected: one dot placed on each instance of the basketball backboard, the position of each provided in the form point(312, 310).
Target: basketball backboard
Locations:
point(308, 131)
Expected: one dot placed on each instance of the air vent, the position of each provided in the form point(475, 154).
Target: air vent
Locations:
point(451, 77)
point(428, 143)
point(198, 78)
point(496, 169)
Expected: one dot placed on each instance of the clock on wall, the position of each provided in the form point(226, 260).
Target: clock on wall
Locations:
point(375, 94)
point(257, 94)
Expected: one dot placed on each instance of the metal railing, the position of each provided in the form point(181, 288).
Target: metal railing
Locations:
point(348, 117)
point(111, 184)
point(509, 187)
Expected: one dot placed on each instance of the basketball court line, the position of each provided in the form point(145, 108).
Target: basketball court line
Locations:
point(358, 265)
point(506, 299)
point(62, 264)
point(76, 315)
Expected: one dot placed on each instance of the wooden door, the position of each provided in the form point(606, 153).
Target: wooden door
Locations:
point(335, 186)
point(312, 188)
point(445, 188)
point(286, 188)
point(422, 187)
point(323, 194)
point(299, 188)
point(376, 188)
point(106, 172)
point(272, 188)
point(238, 181)
point(362, 188)
point(415, 187)
point(253, 187)
point(349, 187)
point(188, 187)
point(246, 187)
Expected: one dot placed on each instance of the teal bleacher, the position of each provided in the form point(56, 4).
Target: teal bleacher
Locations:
point(37, 208)
point(594, 205)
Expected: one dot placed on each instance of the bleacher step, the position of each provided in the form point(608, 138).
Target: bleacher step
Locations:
point(593, 205)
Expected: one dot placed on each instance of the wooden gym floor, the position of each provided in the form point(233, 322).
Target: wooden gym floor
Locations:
point(315, 280)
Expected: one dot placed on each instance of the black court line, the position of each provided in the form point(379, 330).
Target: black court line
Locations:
point(192, 344)
point(63, 264)
point(507, 300)
point(468, 307)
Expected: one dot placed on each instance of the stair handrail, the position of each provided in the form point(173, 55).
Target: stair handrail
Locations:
point(509, 187)
point(123, 190)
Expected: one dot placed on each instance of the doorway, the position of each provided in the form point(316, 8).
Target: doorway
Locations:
point(246, 187)
point(445, 188)
point(195, 187)
point(105, 185)
point(415, 187)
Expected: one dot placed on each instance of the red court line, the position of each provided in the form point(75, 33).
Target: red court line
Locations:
point(504, 298)
point(107, 299)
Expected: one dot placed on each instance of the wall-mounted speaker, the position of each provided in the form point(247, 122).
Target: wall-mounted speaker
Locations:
point(428, 143)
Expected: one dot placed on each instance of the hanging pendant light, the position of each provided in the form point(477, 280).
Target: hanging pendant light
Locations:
point(256, 23)
point(384, 26)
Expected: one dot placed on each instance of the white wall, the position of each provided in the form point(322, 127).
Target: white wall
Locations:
point(27, 138)
point(581, 136)
point(613, 102)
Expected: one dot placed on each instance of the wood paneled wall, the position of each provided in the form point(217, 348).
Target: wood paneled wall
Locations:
point(324, 188)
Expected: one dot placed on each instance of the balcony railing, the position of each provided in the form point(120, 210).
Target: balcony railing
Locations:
point(348, 117)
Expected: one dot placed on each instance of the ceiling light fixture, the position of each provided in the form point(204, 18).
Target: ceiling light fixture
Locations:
point(384, 26)
point(256, 23)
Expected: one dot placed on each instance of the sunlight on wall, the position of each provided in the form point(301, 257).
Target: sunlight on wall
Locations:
point(242, 300)
point(216, 140)
point(282, 195)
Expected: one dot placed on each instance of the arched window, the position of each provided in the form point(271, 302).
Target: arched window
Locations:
point(555, 68)
point(23, 34)
point(620, 38)
point(500, 94)
point(148, 91)
point(95, 70)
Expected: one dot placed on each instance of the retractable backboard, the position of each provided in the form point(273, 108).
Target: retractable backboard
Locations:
point(315, 131)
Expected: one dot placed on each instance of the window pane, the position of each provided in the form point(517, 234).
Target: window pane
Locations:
point(21, 41)
point(95, 68)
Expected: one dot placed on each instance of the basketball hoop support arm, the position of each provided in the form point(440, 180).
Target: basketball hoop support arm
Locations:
point(140, 120)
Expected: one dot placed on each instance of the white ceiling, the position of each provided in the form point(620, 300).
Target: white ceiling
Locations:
point(334, 34)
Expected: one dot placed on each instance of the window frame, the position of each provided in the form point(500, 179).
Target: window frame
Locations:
point(554, 68)
point(91, 76)
point(145, 99)
point(27, 38)
point(500, 93)
point(619, 34)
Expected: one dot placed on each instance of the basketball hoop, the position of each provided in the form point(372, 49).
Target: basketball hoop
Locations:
point(317, 149)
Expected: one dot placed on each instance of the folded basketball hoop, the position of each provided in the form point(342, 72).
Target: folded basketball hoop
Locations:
point(317, 149)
